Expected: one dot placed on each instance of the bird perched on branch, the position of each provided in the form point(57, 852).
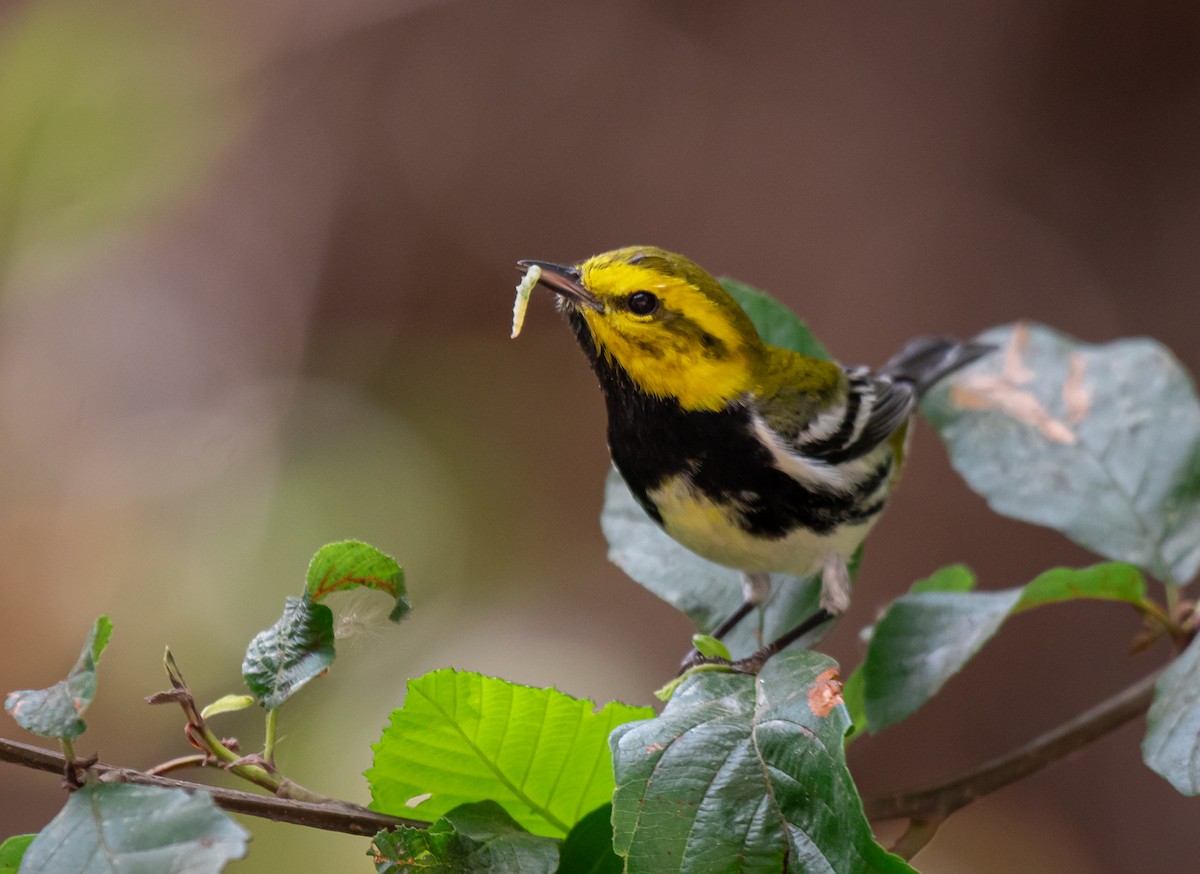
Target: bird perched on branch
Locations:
point(755, 457)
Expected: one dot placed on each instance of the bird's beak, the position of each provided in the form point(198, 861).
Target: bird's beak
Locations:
point(563, 281)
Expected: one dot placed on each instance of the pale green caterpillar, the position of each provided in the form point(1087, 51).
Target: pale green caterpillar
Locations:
point(532, 275)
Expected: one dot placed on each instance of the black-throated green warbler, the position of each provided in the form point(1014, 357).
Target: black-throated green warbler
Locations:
point(755, 457)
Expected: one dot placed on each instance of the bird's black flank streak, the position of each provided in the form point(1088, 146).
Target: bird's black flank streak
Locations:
point(652, 439)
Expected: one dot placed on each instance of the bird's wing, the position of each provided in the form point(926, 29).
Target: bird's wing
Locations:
point(828, 414)
point(873, 408)
point(837, 419)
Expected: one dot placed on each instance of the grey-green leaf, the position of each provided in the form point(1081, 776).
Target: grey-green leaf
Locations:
point(1101, 443)
point(58, 710)
point(746, 774)
point(928, 635)
point(922, 641)
point(113, 828)
point(706, 592)
point(1172, 743)
point(280, 660)
point(478, 837)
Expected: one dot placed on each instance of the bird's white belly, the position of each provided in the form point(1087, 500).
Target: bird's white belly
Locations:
point(712, 531)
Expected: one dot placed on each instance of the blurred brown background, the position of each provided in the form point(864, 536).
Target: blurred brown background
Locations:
point(256, 269)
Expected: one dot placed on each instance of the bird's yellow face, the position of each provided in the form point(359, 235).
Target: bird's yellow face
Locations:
point(665, 322)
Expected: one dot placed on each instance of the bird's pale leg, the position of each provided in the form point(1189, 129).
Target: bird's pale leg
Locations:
point(835, 585)
point(755, 588)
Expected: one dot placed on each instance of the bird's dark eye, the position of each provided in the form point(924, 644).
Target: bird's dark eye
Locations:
point(642, 303)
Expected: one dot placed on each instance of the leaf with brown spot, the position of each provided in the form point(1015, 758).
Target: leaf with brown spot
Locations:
point(825, 693)
point(974, 392)
point(1122, 479)
point(746, 775)
point(352, 564)
point(1076, 396)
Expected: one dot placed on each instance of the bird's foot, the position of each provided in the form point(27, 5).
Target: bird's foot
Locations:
point(751, 664)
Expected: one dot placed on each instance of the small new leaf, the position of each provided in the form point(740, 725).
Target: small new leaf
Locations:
point(744, 774)
point(1101, 443)
point(472, 837)
point(227, 704)
point(113, 828)
point(58, 710)
point(351, 564)
point(928, 635)
point(710, 647)
point(462, 737)
point(280, 660)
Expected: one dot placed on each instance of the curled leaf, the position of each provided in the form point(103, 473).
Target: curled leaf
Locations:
point(58, 710)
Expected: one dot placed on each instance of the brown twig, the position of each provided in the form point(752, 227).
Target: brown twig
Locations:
point(341, 816)
point(926, 808)
point(199, 760)
point(255, 768)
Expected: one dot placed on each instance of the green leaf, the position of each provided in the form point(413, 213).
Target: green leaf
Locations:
point(280, 660)
point(928, 635)
point(350, 564)
point(1110, 581)
point(952, 578)
point(710, 647)
point(11, 852)
point(115, 828)
point(854, 696)
point(744, 774)
point(227, 704)
point(1101, 443)
point(776, 324)
point(58, 710)
point(463, 737)
point(472, 837)
point(1172, 743)
point(705, 591)
point(922, 641)
point(588, 847)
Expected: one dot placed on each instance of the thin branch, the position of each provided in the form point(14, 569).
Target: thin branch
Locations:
point(925, 808)
point(254, 768)
point(341, 816)
point(200, 760)
point(938, 802)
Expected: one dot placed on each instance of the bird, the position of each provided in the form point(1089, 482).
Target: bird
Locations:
point(755, 457)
